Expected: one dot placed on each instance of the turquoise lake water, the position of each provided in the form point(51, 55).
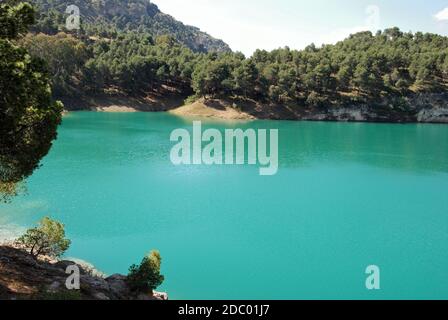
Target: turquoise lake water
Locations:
point(346, 196)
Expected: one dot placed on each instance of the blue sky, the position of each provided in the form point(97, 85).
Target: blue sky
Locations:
point(268, 24)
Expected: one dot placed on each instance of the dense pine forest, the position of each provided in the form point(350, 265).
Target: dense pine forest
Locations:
point(123, 49)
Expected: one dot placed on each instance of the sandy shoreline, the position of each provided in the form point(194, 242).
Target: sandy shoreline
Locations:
point(200, 109)
point(248, 110)
point(116, 109)
point(213, 109)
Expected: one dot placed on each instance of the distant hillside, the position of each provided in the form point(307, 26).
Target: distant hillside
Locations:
point(107, 17)
point(388, 76)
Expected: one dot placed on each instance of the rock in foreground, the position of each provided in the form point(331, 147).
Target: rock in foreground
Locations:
point(22, 277)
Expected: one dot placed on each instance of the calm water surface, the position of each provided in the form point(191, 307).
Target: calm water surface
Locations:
point(346, 196)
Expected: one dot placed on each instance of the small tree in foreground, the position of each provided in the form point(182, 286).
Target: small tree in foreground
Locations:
point(47, 239)
point(146, 277)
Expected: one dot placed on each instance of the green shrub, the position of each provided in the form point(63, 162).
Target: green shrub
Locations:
point(316, 100)
point(146, 277)
point(191, 99)
point(47, 239)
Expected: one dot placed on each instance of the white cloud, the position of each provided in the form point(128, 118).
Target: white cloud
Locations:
point(442, 15)
point(372, 23)
point(339, 35)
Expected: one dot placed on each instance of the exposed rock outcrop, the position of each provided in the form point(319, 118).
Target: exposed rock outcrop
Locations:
point(134, 15)
point(22, 277)
point(433, 115)
point(417, 108)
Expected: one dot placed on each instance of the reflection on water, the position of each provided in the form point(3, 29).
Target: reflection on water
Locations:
point(414, 147)
point(404, 147)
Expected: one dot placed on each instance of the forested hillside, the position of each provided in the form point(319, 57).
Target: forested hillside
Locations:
point(107, 18)
point(363, 69)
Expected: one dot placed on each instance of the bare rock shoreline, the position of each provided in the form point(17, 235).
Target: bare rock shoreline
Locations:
point(419, 108)
point(22, 277)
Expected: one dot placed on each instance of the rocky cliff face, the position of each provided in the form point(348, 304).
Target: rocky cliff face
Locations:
point(416, 108)
point(420, 108)
point(431, 108)
point(22, 277)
